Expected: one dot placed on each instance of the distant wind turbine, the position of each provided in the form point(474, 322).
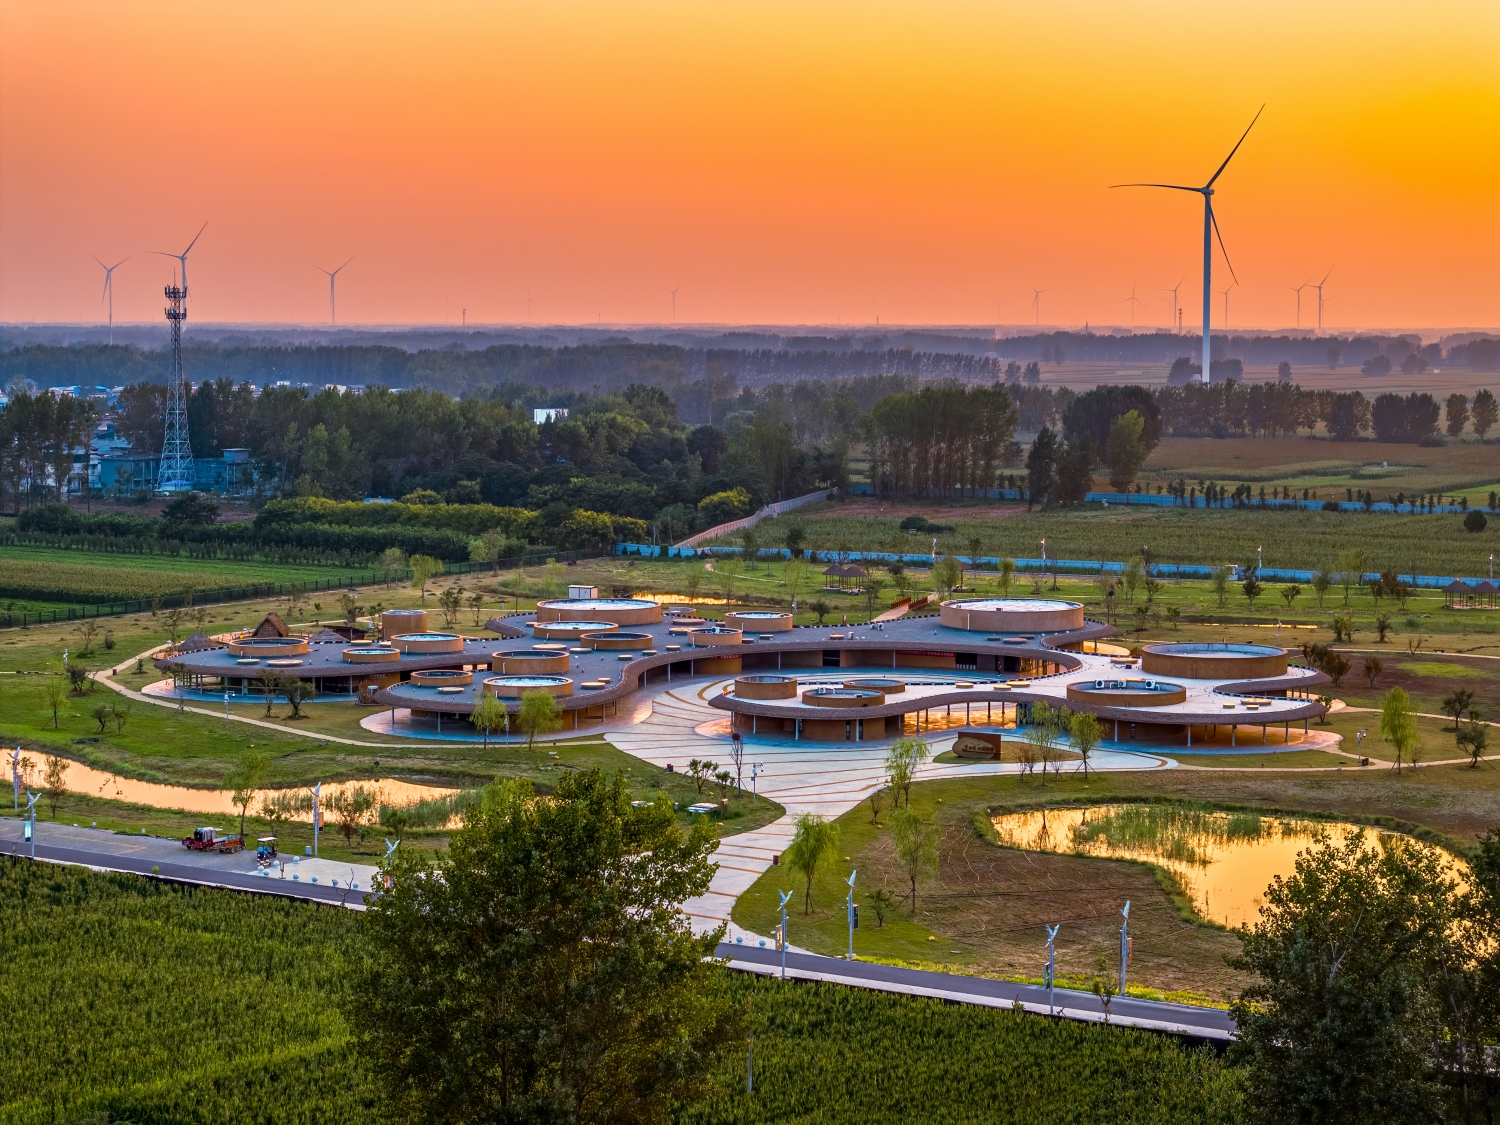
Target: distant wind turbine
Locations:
point(1225, 294)
point(1210, 231)
point(1173, 291)
point(1321, 302)
point(108, 288)
point(527, 301)
point(1132, 301)
point(1297, 289)
point(674, 301)
point(183, 256)
point(333, 276)
point(1036, 302)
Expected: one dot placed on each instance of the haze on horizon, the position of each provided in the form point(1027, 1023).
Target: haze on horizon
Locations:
point(782, 163)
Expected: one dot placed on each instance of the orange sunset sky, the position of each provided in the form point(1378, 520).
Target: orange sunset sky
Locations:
point(784, 163)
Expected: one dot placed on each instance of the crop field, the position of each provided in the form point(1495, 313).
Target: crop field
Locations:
point(1328, 467)
point(125, 999)
point(1428, 544)
point(32, 577)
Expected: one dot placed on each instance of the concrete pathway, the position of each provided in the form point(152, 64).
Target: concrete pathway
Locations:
point(825, 778)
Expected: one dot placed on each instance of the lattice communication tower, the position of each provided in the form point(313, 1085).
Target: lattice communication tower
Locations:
point(176, 471)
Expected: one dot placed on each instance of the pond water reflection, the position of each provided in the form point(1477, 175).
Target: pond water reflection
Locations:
point(1224, 860)
point(83, 779)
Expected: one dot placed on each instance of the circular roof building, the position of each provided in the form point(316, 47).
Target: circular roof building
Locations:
point(1016, 615)
point(614, 611)
point(1201, 660)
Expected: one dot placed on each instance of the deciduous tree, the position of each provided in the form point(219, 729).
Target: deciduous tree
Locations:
point(549, 974)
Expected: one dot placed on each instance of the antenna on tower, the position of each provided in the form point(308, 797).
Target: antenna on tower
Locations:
point(175, 472)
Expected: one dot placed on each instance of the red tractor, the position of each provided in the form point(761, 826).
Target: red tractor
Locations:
point(209, 840)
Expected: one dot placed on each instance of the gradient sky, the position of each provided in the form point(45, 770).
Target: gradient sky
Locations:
point(808, 162)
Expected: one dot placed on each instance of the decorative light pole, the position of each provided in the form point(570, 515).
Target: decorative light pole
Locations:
point(30, 825)
point(852, 912)
point(1124, 945)
point(317, 815)
point(1051, 964)
point(786, 897)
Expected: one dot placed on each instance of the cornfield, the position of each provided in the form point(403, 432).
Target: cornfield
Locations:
point(826, 1055)
point(149, 1002)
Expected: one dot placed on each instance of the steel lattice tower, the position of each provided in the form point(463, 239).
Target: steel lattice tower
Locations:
point(176, 471)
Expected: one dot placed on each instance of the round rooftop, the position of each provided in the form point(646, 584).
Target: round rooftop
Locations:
point(614, 611)
point(1207, 660)
point(1025, 615)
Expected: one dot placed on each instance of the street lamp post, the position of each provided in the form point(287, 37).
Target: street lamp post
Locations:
point(852, 913)
point(1051, 963)
point(317, 815)
point(786, 897)
point(1124, 945)
point(30, 824)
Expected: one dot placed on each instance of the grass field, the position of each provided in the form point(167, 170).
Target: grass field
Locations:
point(36, 578)
point(1423, 544)
point(985, 909)
point(125, 999)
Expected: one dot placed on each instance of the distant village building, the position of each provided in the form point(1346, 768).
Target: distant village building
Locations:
point(548, 414)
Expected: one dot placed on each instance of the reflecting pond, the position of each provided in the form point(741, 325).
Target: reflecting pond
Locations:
point(83, 779)
point(1224, 860)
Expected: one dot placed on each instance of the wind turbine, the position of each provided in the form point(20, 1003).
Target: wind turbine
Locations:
point(527, 301)
point(1036, 302)
point(1210, 231)
point(1319, 288)
point(1173, 291)
point(332, 277)
point(109, 290)
point(183, 256)
point(1225, 294)
point(1132, 301)
point(674, 301)
point(1297, 289)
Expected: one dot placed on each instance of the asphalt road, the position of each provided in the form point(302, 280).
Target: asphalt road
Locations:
point(164, 859)
point(1182, 1019)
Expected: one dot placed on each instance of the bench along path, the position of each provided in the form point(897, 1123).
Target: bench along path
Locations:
point(826, 778)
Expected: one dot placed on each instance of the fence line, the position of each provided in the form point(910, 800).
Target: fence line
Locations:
point(255, 591)
point(751, 520)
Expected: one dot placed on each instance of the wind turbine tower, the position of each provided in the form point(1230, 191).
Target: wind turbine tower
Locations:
point(1210, 232)
point(1036, 302)
point(1319, 288)
point(674, 301)
point(175, 473)
point(1132, 301)
point(1176, 311)
point(108, 288)
point(333, 276)
point(1225, 294)
point(1297, 289)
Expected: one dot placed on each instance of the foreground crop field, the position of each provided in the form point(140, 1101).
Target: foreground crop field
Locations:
point(146, 1002)
point(1436, 544)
